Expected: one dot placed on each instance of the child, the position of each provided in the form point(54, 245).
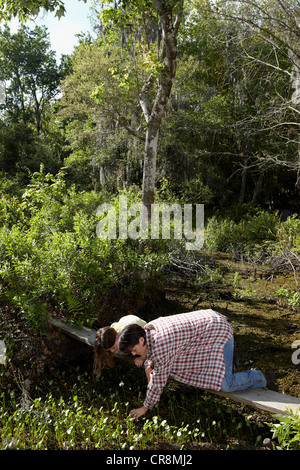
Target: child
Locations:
point(106, 342)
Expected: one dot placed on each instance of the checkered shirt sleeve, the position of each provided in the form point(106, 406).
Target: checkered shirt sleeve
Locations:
point(189, 348)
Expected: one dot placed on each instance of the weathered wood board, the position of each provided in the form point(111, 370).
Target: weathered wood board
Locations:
point(83, 334)
point(266, 400)
point(259, 398)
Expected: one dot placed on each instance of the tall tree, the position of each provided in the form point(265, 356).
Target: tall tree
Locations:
point(165, 16)
point(169, 15)
point(29, 68)
point(99, 112)
point(29, 135)
point(277, 24)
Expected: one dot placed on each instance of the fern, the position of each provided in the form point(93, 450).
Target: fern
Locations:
point(74, 305)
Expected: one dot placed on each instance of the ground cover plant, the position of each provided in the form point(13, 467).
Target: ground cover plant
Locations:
point(94, 415)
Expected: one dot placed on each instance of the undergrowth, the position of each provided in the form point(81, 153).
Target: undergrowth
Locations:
point(94, 414)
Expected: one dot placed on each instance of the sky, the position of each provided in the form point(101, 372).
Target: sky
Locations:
point(62, 32)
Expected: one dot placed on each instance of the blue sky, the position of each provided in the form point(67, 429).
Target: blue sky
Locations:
point(62, 32)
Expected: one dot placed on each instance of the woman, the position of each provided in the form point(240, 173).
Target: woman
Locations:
point(106, 343)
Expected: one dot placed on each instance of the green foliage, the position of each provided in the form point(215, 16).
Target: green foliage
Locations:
point(229, 109)
point(288, 236)
point(222, 119)
point(29, 134)
point(27, 8)
point(240, 237)
point(68, 425)
point(89, 414)
point(239, 292)
point(27, 59)
point(287, 431)
point(288, 298)
point(51, 258)
point(97, 110)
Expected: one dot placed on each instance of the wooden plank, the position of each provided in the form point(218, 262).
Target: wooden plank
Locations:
point(259, 398)
point(83, 334)
point(266, 400)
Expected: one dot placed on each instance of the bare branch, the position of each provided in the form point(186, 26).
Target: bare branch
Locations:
point(268, 64)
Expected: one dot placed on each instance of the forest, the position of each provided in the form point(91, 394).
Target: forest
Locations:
point(171, 102)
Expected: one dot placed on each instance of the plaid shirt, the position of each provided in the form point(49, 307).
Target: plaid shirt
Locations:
point(189, 348)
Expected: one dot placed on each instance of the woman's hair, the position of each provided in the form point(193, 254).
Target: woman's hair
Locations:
point(105, 339)
point(130, 336)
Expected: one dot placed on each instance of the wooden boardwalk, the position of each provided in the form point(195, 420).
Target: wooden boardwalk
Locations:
point(259, 398)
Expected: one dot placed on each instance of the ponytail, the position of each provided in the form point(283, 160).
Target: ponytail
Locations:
point(105, 339)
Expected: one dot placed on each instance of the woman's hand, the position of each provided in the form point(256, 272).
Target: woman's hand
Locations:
point(138, 412)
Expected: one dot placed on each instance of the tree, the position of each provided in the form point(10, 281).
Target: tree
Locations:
point(28, 8)
point(229, 115)
point(29, 68)
point(154, 112)
point(277, 24)
point(169, 15)
point(164, 17)
point(99, 112)
point(236, 113)
point(28, 135)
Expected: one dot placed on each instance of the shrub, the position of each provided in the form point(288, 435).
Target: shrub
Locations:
point(288, 298)
point(240, 237)
point(287, 431)
point(51, 257)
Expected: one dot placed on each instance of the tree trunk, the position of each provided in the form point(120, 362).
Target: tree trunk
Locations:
point(258, 186)
point(149, 172)
point(154, 114)
point(243, 183)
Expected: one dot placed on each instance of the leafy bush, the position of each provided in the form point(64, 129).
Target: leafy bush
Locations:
point(288, 234)
point(287, 431)
point(226, 235)
point(288, 298)
point(261, 232)
point(51, 257)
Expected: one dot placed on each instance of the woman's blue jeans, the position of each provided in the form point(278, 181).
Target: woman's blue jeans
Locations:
point(233, 382)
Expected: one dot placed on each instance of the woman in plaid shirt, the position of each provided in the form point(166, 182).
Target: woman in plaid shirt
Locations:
point(195, 348)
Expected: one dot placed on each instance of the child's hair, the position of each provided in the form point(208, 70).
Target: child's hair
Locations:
point(105, 339)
